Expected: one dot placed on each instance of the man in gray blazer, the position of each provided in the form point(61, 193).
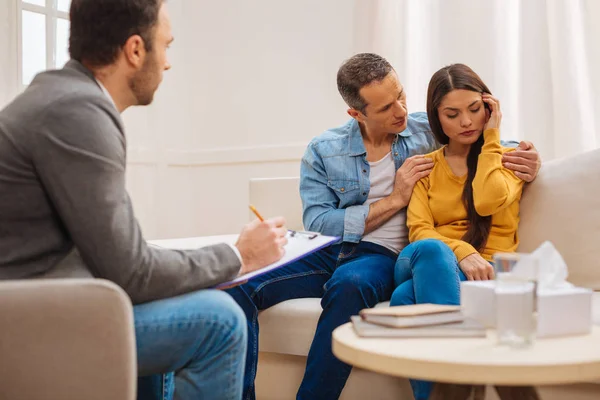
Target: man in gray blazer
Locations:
point(64, 209)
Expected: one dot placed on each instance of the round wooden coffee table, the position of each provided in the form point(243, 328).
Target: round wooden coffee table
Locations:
point(475, 361)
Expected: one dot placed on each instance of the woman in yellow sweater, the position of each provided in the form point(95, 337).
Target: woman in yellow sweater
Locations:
point(467, 209)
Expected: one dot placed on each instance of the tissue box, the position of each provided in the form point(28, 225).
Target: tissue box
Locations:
point(560, 312)
point(478, 301)
point(564, 311)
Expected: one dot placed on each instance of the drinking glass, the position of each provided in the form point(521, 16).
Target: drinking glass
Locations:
point(515, 298)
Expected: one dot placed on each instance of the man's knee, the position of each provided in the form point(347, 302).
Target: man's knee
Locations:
point(225, 314)
point(238, 293)
point(231, 313)
point(355, 285)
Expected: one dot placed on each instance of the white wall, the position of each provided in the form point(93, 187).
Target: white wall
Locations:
point(251, 84)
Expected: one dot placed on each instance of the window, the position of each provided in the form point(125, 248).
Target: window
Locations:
point(44, 36)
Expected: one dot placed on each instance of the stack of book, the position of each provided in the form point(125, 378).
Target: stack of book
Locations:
point(416, 321)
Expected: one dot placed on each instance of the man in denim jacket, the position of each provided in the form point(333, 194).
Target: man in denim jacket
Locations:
point(355, 182)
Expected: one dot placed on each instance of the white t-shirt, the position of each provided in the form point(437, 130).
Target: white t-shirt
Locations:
point(393, 234)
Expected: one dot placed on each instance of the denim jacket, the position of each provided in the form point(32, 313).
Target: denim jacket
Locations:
point(334, 175)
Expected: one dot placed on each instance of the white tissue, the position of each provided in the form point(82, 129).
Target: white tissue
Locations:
point(562, 309)
point(546, 265)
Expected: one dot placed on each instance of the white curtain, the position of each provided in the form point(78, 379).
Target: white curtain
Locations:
point(540, 57)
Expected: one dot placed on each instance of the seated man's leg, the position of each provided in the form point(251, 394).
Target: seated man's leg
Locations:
point(303, 278)
point(435, 271)
point(201, 336)
point(363, 278)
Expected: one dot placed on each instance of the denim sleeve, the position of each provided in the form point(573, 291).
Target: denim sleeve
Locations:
point(320, 205)
point(354, 223)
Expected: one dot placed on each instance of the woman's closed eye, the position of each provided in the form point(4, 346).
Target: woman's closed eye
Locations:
point(474, 110)
point(451, 116)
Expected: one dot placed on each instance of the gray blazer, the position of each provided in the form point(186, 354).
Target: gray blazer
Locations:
point(64, 209)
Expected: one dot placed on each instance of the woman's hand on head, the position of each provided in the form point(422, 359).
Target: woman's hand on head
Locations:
point(476, 268)
point(494, 113)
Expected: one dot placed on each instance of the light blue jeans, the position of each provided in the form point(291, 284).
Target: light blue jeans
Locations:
point(191, 347)
point(426, 271)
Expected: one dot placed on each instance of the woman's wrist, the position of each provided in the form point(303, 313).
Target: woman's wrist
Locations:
point(491, 135)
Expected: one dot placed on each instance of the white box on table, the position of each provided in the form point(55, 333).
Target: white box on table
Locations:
point(478, 301)
point(560, 311)
point(564, 311)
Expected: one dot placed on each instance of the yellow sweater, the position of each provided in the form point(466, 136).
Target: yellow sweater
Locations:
point(436, 210)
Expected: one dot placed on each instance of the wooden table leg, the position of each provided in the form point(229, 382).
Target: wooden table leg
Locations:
point(450, 391)
point(517, 393)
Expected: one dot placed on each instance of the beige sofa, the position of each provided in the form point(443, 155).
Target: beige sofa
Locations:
point(66, 339)
point(562, 205)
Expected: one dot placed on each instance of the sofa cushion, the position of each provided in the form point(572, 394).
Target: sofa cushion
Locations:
point(289, 327)
point(596, 308)
point(563, 206)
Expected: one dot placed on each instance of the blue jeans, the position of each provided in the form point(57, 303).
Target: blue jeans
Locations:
point(426, 271)
point(347, 277)
point(190, 347)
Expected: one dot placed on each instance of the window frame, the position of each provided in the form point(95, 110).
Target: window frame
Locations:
point(9, 85)
point(52, 15)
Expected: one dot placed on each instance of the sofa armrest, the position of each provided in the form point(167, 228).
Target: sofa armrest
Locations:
point(66, 339)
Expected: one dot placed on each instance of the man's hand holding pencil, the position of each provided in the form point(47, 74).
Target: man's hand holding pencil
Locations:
point(261, 242)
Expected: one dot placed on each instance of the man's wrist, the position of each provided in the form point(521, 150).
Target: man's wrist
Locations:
point(236, 251)
point(396, 202)
point(239, 256)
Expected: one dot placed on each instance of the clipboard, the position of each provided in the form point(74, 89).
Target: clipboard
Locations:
point(300, 244)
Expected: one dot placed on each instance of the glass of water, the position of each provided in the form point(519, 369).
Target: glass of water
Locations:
point(515, 299)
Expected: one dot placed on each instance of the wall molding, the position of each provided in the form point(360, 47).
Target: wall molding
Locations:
point(142, 156)
point(218, 156)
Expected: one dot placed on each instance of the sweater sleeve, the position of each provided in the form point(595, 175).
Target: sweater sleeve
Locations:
point(494, 187)
point(421, 225)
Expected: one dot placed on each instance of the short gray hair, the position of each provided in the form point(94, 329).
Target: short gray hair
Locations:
point(357, 72)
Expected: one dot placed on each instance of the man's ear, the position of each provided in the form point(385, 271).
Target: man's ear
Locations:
point(357, 115)
point(134, 51)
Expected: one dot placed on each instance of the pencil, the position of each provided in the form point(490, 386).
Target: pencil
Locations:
point(256, 213)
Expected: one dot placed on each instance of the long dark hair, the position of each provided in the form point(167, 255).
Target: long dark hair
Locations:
point(447, 79)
